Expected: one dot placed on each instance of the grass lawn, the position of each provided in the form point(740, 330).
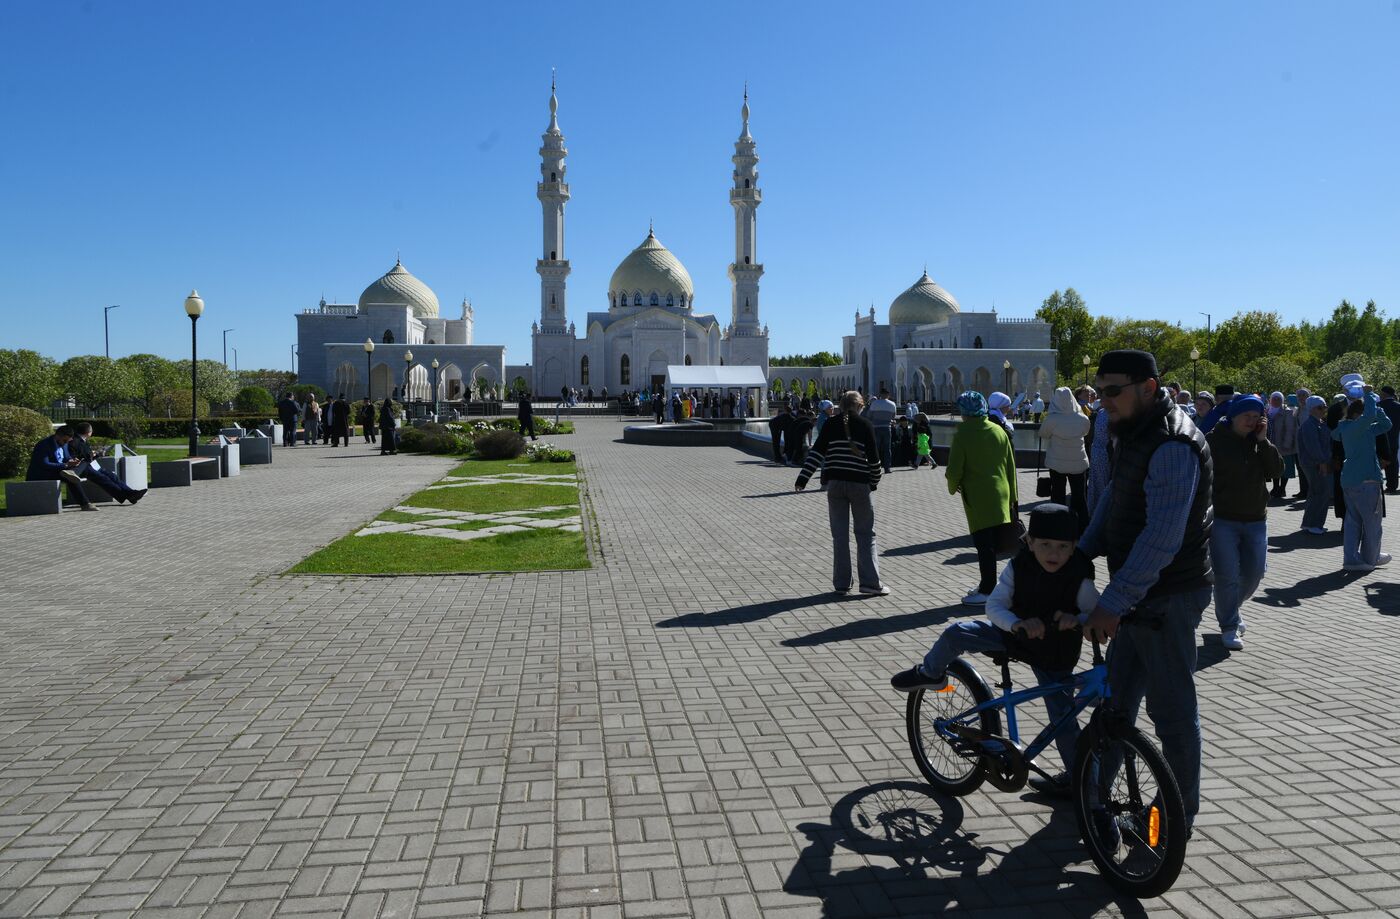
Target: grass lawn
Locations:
point(400, 553)
point(412, 553)
point(165, 454)
point(490, 498)
point(165, 441)
point(16, 478)
point(496, 467)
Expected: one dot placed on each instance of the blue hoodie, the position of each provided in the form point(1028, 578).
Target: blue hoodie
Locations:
point(1358, 437)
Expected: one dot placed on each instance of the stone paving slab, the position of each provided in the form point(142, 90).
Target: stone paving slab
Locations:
point(694, 727)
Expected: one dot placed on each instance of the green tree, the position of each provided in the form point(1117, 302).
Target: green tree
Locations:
point(153, 375)
point(217, 384)
point(1350, 331)
point(27, 379)
point(175, 403)
point(94, 380)
point(820, 359)
point(254, 400)
point(1169, 343)
point(1378, 371)
point(1271, 374)
point(1071, 329)
point(274, 381)
point(1248, 336)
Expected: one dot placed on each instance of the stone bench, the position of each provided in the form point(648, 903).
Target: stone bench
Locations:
point(226, 453)
point(184, 472)
point(24, 499)
point(255, 449)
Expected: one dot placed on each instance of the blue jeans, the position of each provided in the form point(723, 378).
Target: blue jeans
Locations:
point(965, 637)
point(1237, 553)
point(848, 502)
point(1159, 665)
point(882, 443)
point(1319, 501)
point(1361, 528)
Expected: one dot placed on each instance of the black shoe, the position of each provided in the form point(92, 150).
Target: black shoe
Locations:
point(1057, 787)
point(915, 679)
point(137, 496)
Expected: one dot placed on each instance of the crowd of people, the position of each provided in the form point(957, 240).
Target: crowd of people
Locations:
point(334, 423)
point(1171, 490)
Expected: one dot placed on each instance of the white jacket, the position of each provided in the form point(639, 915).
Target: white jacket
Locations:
point(1062, 434)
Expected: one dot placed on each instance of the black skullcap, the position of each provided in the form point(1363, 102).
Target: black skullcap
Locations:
point(1139, 365)
point(1224, 389)
point(1055, 521)
point(1388, 390)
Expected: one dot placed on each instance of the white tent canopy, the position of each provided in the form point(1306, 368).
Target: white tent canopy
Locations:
point(715, 376)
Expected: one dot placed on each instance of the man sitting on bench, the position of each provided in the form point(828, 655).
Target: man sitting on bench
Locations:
point(51, 461)
point(80, 449)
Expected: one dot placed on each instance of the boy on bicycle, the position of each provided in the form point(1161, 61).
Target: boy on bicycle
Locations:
point(1034, 615)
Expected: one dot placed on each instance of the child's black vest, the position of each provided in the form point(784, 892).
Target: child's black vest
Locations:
point(1039, 594)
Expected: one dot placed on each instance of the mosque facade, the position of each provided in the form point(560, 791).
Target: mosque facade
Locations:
point(929, 349)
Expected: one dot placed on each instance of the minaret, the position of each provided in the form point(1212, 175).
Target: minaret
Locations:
point(745, 197)
point(553, 193)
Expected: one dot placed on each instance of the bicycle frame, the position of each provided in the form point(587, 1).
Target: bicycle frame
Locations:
point(1092, 685)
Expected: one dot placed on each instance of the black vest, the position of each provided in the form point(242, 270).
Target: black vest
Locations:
point(1039, 594)
point(1163, 423)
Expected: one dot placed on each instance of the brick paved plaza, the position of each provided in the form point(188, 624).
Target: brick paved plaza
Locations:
point(694, 727)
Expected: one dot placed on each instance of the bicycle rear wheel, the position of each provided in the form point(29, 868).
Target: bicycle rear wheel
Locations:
point(1130, 811)
point(949, 770)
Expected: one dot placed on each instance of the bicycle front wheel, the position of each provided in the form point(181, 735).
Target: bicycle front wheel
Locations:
point(949, 770)
point(1130, 811)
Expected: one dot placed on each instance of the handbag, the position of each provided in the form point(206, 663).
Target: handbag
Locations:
point(1042, 483)
point(1012, 535)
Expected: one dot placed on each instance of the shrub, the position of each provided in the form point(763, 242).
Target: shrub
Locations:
point(175, 403)
point(302, 390)
point(20, 430)
point(548, 453)
point(128, 429)
point(433, 438)
point(500, 445)
point(254, 399)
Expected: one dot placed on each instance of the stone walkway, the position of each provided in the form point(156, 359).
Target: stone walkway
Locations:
point(694, 727)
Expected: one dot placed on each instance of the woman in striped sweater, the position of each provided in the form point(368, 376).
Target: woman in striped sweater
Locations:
point(849, 461)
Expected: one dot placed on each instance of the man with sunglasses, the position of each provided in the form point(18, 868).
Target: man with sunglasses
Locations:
point(1153, 524)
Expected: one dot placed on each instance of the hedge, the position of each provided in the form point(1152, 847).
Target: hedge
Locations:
point(20, 430)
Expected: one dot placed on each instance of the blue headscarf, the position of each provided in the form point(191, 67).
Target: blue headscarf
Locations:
point(1241, 404)
point(972, 404)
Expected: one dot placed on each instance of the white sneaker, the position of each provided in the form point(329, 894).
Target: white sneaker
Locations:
point(975, 598)
point(1382, 559)
point(1239, 629)
point(1232, 641)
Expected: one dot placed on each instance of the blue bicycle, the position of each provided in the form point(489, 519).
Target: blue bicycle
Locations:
point(1129, 808)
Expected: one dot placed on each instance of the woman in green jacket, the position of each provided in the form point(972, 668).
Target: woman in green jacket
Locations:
point(982, 468)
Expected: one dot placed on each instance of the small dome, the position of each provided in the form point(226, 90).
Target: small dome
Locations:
point(923, 304)
point(651, 268)
point(399, 288)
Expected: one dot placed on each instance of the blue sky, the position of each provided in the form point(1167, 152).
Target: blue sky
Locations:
point(1164, 159)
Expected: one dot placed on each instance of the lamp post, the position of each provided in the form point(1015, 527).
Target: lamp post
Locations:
point(1006, 374)
point(1195, 356)
point(194, 308)
point(435, 388)
point(1086, 370)
point(235, 362)
point(294, 360)
point(407, 366)
point(369, 350)
point(106, 336)
point(226, 331)
point(1207, 315)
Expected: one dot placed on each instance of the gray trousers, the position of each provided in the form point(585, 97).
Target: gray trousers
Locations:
point(846, 501)
point(1319, 495)
point(1361, 528)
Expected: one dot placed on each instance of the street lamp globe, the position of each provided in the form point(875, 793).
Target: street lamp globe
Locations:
point(369, 346)
point(194, 306)
point(1195, 355)
point(435, 363)
point(408, 357)
point(1086, 360)
point(1006, 365)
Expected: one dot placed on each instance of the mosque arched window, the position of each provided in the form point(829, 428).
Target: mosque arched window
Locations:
point(583, 371)
point(940, 342)
point(626, 370)
point(388, 336)
point(551, 177)
point(655, 300)
point(637, 298)
point(553, 254)
point(670, 299)
point(746, 183)
point(977, 342)
point(687, 360)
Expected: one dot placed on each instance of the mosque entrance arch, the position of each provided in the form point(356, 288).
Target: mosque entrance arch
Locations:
point(1040, 381)
point(982, 381)
point(899, 383)
point(953, 383)
point(656, 370)
point(450, 387)
point(382, 381)
point(347, 381)
point(484, 373)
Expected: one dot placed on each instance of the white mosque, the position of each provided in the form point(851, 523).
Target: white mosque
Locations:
point(394, 338)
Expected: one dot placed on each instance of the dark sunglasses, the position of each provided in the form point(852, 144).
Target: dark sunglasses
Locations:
point(1113, 391)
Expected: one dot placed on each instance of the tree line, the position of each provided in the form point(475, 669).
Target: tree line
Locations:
point(1253, 350)
point(141, 384)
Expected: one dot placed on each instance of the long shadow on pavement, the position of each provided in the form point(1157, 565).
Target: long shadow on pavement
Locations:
point(952, 542)
point(1384, 597)
point(1306, 589)
point(909, 836)
point(1211, 653)
point(1302, 539)
point(867, 628)
point(752, 612)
